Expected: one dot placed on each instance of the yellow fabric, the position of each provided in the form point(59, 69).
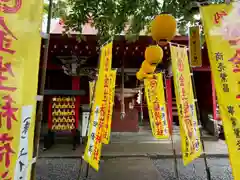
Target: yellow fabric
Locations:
point(93, 148)
point(109, 107)
point(154, 92)
point(195, 47)
point(221, 27)
point(20, 65)
point(189, 131)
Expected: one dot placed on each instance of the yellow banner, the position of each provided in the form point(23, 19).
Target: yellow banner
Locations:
point(109, 107)
point(154, 91)
point(221, 28)
point(92, 152)
point(195, 47)
point(189, 131)
point(20, 22)
point(91, 89)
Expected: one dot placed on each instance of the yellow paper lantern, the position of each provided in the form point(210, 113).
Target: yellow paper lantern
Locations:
point(154, 54)
point(149, 76)
point(147, 67)
point(163, 28)
point(140, 75)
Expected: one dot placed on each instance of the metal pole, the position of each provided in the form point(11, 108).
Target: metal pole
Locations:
point(41, 93)
point(122, 114)
point(200, 126)
point(141, 105)
point(198, 117)
point(171, 138)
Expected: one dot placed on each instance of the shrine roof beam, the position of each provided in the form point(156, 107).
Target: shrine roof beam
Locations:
point(65, 92)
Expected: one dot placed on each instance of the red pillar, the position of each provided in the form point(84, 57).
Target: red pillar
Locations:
point(76, 86)
point(169, 102)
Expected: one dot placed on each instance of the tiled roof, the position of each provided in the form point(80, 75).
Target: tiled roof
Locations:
point(58, 28)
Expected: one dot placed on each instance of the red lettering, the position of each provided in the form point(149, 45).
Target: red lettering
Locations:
point(158, 123)
point(98, 138)
point(6, 42)
point(3, 69)
point(153, 84)
point(106, 80)
point(186, 107)
point(183, 93)
point(156, 106)
point(159, 131)
point(236, 62)
point(5, 148)
point(181, 80)
point(157, 114)
point(96, 154)
point(180, 65)
point(8, 111)
point(4, 176)
point(10, 9)
point(106, 64)
point(218, 16)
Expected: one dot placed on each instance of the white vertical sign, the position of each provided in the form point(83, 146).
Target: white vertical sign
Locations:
point(85, 119)
point(21, 169)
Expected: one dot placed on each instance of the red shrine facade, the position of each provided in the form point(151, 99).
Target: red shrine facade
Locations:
point(66, 52)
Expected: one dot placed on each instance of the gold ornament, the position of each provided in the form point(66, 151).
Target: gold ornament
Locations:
point(72, 112)
point(53, 105)
point(72, 106)
point(163, 28)
point(68, 105)
point(154, 54)
point(63, 106)
point(72, 126)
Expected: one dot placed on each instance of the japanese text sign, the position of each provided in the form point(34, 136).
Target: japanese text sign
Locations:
point(221, 27)
point(109, 107)
point(93, 148)
point(20, 22)
point(195, 47)
point(154, 92)
point(189, 131)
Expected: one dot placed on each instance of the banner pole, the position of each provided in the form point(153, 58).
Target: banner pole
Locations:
point(41, 93)
point(171, 137)
point(122, 114)
point(199, 124)
point(198, 114)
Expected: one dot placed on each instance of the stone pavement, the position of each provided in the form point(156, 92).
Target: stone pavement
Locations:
point(133, 168)
point(139, 144)
point(133, 157)
point(158, 149)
